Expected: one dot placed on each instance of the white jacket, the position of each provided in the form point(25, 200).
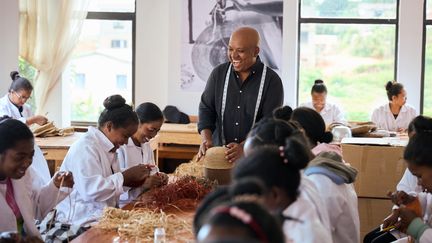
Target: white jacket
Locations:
point(34, 203)
point(130, 155)
point(9, 109)
point(97, 176)
point(408, 183)
point(306, 226)
point(384, 119)
point(331, 113)
point(309, 192)
point(342, 207)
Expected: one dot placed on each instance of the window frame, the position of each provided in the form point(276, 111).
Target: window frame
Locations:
point(344, 21)
point(129, 16)
point(426, 22)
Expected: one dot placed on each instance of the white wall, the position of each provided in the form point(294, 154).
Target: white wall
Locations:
point(9, 29)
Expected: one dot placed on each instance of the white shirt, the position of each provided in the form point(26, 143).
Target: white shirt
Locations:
point(331, 113)
point(130, 155)
point(309, 192)
point(384, 119)
point(342, 207)
point(9, 109)
point(408, 183)
point(309, 229)
point(97, 176)
point(34, 203)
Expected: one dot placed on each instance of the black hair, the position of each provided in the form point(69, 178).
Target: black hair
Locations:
point(283, 113)
point(271, 131)
point(319, 87)
point(274, 167)
point(211, 200)
point(118, 112)
point(11, 132)
point(418, 149)
point(149, 112)
point(19, 83)
point(263, 226)
point(313, 124)
point(393, 89)
point(420, 124)
point(248, 186)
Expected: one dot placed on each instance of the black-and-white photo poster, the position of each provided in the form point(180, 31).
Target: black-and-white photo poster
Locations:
point(206, 29)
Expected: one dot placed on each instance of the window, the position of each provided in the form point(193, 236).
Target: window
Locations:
point(80, 81)
point(351, 45)
point(121, 81)
point(118, 44)
point(427, 64)
point(104, 51)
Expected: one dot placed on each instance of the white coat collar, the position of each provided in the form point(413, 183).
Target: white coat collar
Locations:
point(402, 110)
point(106, 144)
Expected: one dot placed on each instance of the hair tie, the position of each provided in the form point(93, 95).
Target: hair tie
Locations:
point(282, 154)
point(246, 218)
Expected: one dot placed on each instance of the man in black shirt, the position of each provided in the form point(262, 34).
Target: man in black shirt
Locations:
point(237, 95)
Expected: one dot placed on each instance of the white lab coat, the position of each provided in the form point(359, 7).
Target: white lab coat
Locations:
point(342, 207)
point(309, 192)
point(331, 113)
point(9, 109)
point(39, 164)
point(308, 227)
point(384, 119)
point(97, 176)
point(130, 155)
point(33, 202)
point(408, 183)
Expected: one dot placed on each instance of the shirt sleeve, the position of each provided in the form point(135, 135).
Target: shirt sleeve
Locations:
point(89, 180)
point(273, 97)
point(207, 110)
point(339, 115)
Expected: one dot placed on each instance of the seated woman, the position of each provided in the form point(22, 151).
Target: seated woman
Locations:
point(93, 160)
point(20, 202)
point(395, 115)
point(331, 113)
point(138, 151)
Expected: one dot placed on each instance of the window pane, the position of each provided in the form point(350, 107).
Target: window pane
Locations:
point(429, 9)
point(427, 105)
point(355, 62)
point(96, 65)
point(112, 6)
point(369, 9)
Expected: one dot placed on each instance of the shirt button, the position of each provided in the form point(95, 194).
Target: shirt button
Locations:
point(238, 107)
point(236, 123)
point(241, 91)
point(235, 139)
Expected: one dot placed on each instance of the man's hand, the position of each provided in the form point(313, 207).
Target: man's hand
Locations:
point(234, 152)
point(206, 142)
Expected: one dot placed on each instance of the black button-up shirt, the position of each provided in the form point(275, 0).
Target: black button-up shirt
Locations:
point(240, 102)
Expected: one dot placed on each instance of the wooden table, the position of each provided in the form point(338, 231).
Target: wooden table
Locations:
point(186, 134)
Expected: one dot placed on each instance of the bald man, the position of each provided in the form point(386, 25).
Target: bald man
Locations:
point(238, 94)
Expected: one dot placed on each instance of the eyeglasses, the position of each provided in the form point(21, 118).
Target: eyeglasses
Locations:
point(23, 98)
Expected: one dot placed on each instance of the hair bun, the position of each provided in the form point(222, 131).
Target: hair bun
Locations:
point(14, 75)
point(283, 113)
point(319, 81)
point(327, 137)
point(389, 85)
point(113, 102)
point(296, 153)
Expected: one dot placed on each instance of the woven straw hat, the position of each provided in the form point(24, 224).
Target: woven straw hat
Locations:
point(215, 159)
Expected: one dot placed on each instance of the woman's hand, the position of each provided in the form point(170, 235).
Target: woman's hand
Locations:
point(406, 217)
point(400, 197)
point(391, 219)
point(40, 120)
point(135, 176)
point(67, 178)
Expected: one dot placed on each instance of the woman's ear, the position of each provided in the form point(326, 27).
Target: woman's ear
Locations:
point(109, 126)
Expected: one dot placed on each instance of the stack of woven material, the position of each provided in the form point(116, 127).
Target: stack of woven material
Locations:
point(49, 130)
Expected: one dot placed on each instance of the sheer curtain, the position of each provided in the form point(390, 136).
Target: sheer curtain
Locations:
point(49, 31)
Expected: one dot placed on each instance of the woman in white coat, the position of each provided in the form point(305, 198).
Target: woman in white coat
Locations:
point(279, 169)
point(13, 104)
point(395, 115)
point(99, 182)
point(331, 113)
point(138, 151)
point(20, 203)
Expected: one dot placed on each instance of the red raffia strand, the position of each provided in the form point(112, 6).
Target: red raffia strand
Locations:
point(183, 194)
